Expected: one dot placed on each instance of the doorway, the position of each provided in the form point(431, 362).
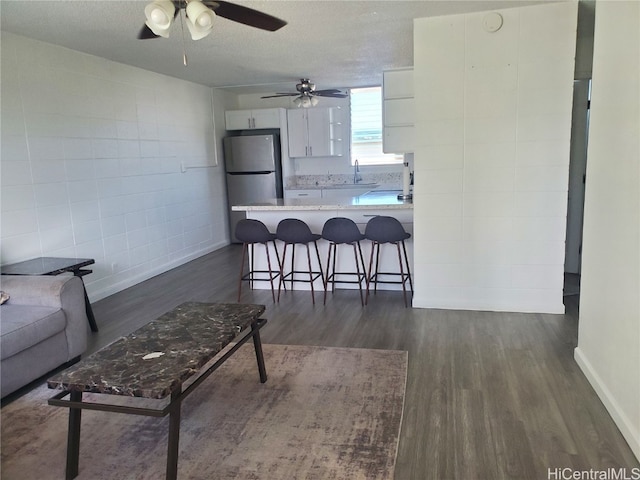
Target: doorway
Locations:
point(577, 179)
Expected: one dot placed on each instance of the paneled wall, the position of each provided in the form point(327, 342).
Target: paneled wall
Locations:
point(493, 125)
point(92, 152)
point(609, 330)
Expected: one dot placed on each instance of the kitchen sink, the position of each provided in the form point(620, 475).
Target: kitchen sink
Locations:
point(381, 193)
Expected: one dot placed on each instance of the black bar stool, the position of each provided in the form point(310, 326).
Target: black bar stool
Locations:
point(343, 231)
point(381, 230)
point(293, 231)
point(250, 232)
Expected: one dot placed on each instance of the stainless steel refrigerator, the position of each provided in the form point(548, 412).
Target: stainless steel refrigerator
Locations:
point(254, 172)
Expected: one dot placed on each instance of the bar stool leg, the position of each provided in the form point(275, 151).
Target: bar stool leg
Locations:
point(245, 247)
point(375, 282)
point(319, 261)
point(403, 280)
point(371, 271)
point(251, 274)
point(273, 294)
point(406, 259)
point(313, 297)
point(293, 263)
point(281, 282)
point(335, 255)
point(275, 247)
point(328, 277)
point(355, 256)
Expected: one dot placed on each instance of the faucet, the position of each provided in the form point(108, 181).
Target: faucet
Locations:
point(356, 172)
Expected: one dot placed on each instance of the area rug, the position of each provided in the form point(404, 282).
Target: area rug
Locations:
point(324, 413)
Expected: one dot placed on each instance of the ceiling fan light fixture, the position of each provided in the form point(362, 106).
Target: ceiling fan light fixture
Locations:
point(304, 101)
point(199, 19)
point(160, 15)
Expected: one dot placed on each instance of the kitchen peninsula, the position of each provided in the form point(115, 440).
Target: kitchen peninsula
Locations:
point(316, 211)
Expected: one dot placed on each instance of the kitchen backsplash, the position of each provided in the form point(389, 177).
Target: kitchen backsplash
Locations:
point(391, 180)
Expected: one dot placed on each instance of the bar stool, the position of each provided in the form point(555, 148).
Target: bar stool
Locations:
point(250, 232)
point(381, 230)
point(343, 231)
point(293, 231)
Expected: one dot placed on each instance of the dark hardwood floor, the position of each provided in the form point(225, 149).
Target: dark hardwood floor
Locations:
point(489, 395)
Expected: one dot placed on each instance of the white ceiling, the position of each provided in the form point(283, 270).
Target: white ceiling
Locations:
point(337, 44)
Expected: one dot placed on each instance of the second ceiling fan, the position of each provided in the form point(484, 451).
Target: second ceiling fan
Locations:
point(307, 94)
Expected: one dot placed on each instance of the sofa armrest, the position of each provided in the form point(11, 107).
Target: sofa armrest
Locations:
point(37, 290)
point(62, 291)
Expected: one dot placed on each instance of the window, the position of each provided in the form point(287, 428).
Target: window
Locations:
point(366, 128)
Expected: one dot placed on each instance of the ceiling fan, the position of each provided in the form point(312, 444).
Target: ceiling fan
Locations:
point(307, 94)
point(200, 15)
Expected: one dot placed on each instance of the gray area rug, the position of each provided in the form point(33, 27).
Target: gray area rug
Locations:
point(324, 413)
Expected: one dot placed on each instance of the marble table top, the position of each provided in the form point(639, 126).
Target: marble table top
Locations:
point(157, 358)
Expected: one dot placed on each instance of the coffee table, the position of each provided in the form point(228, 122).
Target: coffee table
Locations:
point(155, 362)
point(56, 266)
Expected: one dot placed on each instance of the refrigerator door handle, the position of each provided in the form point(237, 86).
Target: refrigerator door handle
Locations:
point(257, 172)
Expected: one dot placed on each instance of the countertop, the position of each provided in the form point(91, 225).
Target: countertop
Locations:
point(375, 200)
point(336, 186)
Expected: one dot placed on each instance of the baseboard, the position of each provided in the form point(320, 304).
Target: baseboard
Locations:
point(555, 309)
point(110, 289)
point(626, 427)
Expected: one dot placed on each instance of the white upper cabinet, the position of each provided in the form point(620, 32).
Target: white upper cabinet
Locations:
point(398, 111)
point(314, 132)
point(252, 119)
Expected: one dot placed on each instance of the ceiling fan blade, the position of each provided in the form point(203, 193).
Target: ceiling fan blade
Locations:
point(330, 94)
point(282, 95)
point(328, 90)
point(246, 16)
point(146, 33)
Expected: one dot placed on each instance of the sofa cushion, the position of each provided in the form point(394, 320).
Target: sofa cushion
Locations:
point(24, 326)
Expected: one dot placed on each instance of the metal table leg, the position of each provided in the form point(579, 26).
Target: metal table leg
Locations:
point(174, 435)
point(257, 343)
point(73, 438)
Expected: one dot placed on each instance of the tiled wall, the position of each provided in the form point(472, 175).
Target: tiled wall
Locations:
point(493, 123)
point(91, 165)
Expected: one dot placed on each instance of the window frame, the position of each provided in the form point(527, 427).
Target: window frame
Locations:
point(370, 97)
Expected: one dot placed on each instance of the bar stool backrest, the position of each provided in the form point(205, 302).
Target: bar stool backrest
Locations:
point(341, 230)
point(293, 230)
point(253, 231)
point(383, 229)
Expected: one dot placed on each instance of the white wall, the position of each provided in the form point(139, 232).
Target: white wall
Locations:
point(609, 329)
point(91, 154)
point(493, 124)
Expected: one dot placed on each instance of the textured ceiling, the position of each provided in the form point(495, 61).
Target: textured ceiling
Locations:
point(336, 44)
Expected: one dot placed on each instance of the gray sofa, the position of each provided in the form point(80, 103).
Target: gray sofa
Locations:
point(42, 326)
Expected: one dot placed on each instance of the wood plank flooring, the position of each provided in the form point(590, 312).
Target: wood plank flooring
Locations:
point(489, 395)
